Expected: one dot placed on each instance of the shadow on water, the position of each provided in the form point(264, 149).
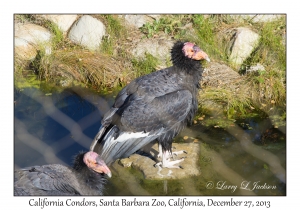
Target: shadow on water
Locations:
point(248, 158)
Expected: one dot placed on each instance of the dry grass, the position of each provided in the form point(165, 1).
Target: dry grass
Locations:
point(85, 67)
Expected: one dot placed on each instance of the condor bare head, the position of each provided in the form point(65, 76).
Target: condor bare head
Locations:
point(186, 55)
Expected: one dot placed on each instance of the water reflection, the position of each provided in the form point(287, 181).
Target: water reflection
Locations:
point(52, 128)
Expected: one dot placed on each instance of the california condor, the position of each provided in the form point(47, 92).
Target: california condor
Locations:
point(153, 107)
point(87, 177)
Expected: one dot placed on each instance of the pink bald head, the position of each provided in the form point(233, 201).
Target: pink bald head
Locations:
point(93, 161)
point(192, 51)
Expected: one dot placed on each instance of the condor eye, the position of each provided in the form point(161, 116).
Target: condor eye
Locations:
point(192, 51)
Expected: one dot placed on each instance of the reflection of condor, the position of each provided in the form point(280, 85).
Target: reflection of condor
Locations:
point(156, 106)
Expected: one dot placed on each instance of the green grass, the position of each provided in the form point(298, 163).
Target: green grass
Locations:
point(195, 28)
point(172, 25)
point(144, 66)
point(268, 88)
point(116, 30)
point(271, 50)
point(222, 102)
point(57, 37)
point(205, 32)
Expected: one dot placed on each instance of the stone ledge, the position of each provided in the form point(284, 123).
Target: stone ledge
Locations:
point(146, 164)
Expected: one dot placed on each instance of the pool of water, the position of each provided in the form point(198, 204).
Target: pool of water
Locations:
point(248, 158)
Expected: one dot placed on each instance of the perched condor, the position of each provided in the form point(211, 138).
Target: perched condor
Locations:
point(85, 178)
point(156, 106)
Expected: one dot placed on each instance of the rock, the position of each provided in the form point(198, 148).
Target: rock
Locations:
point(137, 21)
point(260, 18)
point(159, 48)
point(257, 67)
point(219, 75)
point(88, 32)
point(265, 18)
point(29, 38)
point(126, 162)
point(156, 17)
point(146, 164)
point(33, 34)
point(24, 50)
point(64, 22)
point(244, 42)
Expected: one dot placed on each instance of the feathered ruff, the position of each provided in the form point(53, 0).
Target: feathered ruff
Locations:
point(183, 63)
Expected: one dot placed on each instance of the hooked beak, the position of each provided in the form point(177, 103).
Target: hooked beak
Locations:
point(207, 59)
point(109, 174)
point(103, 168)
point(201, 55)
point(106, 171)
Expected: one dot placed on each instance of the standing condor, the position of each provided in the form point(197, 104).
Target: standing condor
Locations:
point(156, 106)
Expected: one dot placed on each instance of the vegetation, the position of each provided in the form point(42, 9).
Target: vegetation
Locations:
point(174, 26)
point(112, 67)
point(145, 66)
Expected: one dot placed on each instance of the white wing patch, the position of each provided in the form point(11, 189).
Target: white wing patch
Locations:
point(125, 144)
point(121, 140)
point(124, 136)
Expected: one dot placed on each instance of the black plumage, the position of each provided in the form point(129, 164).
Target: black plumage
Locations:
point(156, 106)
point(85, 178)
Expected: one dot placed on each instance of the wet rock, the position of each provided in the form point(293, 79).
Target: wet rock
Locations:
point(244, 42)
point(29, 38)
point(146, 164)
point(88, 32)
point(64, 22)
point(126, 162)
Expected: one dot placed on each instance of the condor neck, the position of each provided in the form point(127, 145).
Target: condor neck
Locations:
point(192, 74)
point(188, 66)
